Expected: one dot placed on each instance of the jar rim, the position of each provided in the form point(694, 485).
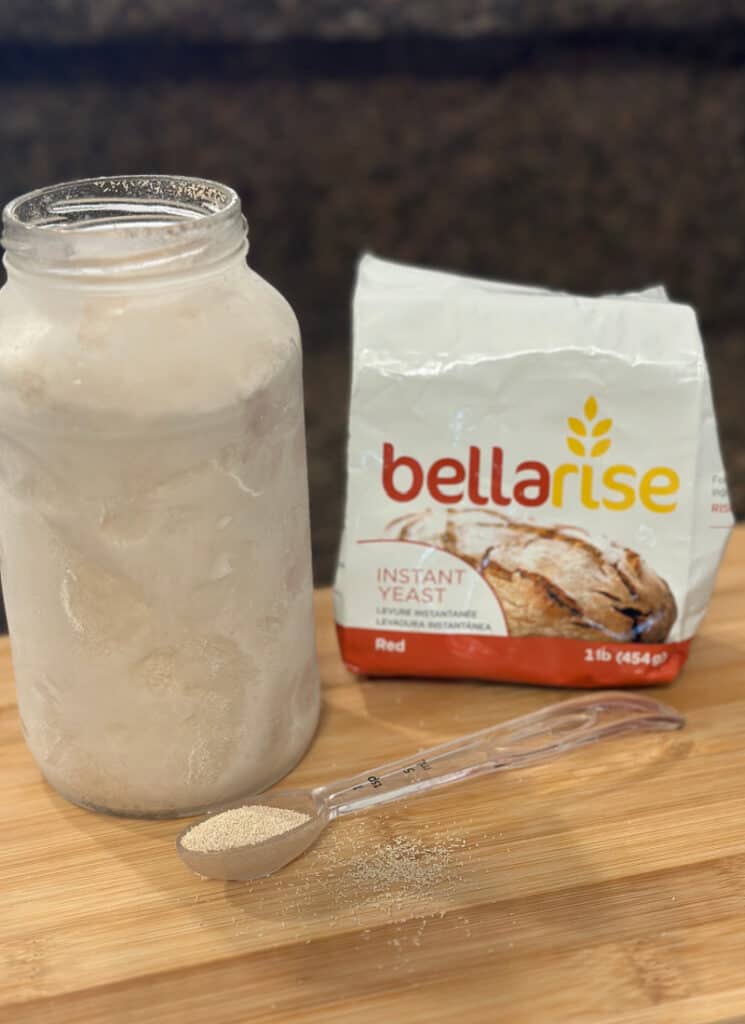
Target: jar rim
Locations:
point(123, 224)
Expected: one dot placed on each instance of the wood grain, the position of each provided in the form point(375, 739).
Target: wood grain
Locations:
point(606, 887)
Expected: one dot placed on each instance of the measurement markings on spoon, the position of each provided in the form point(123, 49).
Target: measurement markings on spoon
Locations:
point(376, 782)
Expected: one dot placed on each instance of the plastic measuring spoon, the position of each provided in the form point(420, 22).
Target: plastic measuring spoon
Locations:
point(517, 743)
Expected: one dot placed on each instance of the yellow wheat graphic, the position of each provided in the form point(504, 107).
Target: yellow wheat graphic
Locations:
point(588, 429)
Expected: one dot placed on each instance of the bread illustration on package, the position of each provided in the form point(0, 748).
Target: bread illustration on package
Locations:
point(535, 490)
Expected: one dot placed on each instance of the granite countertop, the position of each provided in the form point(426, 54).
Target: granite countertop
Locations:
point(65, 21)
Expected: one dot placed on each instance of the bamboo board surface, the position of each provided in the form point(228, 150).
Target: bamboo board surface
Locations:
point(607, 887)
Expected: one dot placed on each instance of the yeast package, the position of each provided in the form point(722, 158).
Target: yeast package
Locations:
point(535, 491)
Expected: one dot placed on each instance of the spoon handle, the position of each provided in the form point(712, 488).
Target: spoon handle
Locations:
point(517, 743)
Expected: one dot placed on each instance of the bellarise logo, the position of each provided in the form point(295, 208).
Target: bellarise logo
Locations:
point(615, 487)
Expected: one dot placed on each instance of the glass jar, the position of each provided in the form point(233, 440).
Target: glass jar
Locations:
point(153, 498)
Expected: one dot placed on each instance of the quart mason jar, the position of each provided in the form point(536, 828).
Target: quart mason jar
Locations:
point(153, 498)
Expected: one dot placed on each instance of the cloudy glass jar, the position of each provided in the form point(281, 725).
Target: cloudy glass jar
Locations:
point(153, 498)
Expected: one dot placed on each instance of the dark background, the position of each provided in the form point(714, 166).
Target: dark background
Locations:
point(594, 145)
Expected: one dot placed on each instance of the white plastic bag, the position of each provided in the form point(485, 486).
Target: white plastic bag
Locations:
point(535, 489)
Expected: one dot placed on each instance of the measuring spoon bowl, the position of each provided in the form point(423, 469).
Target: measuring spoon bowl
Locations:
point(242, 863)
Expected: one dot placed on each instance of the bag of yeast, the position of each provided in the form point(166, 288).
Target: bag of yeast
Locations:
point(535, 489)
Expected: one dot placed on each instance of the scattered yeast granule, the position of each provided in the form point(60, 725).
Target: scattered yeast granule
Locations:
point(402, 861)
point(241, 826)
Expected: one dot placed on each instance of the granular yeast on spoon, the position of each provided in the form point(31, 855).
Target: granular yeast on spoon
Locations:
point(241, 826)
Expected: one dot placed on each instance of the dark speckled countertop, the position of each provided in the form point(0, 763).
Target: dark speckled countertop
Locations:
point(64, 21)
point(589, 146)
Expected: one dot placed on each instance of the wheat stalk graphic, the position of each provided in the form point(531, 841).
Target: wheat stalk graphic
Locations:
point(585, 432)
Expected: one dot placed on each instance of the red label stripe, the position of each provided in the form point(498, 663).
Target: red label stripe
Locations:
point(547, 661)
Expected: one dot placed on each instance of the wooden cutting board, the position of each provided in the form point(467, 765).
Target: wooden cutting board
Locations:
point(605, 887)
